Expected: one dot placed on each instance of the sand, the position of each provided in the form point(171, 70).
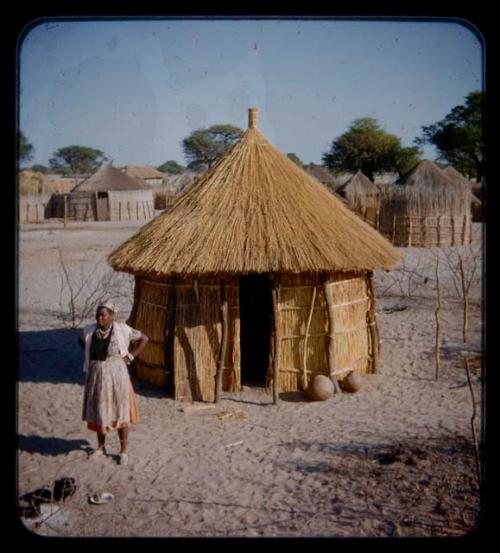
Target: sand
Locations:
point(394, 459)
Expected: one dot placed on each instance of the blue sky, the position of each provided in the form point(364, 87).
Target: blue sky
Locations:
point(135, 88)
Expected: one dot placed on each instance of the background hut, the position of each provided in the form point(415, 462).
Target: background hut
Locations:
point(256, 274)
point(320, 173)
point(172, 186)
point(108, 195)
point(148, 174)
point(362, 196)
point(425, 208)
point(476, 209)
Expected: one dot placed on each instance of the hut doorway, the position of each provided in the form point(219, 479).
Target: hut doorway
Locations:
point(102, 206)
point(255, 328)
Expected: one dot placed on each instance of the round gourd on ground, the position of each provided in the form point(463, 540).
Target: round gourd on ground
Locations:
point(320, 388)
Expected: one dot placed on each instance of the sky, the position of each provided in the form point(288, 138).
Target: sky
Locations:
point(134, 88)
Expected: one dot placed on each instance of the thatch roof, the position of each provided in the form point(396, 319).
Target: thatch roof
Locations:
point(319, 172)
point(426, 174)
point(110, 178)
point(142, 172)
point(255, 211)
point(179, 183)
point(458, 177)
point(359, 185)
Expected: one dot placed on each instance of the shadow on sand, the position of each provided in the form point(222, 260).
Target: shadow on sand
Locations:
point(50, 446)
point(52, 356)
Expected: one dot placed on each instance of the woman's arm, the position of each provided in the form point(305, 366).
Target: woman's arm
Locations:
point(136, 347)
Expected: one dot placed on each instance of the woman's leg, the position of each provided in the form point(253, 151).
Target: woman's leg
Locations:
point(101, 440)
point(123, 435)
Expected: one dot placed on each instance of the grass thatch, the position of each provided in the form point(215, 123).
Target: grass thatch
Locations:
point(110, 178)
point(362, 196)
point(426, 208)
point(254, 211)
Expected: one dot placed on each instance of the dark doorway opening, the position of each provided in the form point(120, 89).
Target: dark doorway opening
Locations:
point(255, 328)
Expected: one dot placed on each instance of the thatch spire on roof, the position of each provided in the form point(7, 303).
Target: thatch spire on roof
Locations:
point(256, 211)
point(110, 178)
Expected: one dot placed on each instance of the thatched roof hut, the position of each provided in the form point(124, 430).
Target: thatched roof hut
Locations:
point(107, 195)
point(476, 209)
point(256, 273)
point(426, 208)
point(319, 172)
point(362, 196)
point(172, 186)
point(148, 174)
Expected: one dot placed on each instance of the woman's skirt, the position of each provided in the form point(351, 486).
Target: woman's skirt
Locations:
point(109, 399)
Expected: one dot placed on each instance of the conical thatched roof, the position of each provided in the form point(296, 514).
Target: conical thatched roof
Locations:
point(358, 184)
point(319, 172)
point(142, 172)
point(110, 178)
point(254, 211)
point(426, 174)
point(458, 177)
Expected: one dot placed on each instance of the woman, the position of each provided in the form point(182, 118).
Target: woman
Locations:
point(109, 400)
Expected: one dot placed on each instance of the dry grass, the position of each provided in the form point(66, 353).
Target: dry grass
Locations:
point(254, 211)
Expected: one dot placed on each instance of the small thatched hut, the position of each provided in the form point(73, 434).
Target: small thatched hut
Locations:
point(476, 208)
point(362, 196)
point(108, 195)
point(173, 186)
point(425, 208)
point(148, 174)
point(256, 274)
point(320, 173)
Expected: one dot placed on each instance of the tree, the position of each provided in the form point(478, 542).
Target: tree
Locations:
point(171, 166)
point(208, 145)
point(40, 168)
point(295, 158)
point(76, 160)
point(25, 148)
point(197, 167)
point(367, 147)
point(458, 137)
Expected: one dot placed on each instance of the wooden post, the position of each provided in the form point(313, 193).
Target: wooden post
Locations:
point(424, 231)
point(169, 329)
point(330, 354)
point(452, 230)
point(438, 308)
point(137, 210)
point(277, 340)
point(119, 211)
point(409, 233)
point(372, 323)
point(393, 228)
point(223, 344)
point(464, 228)
point(128, 209)
point(439, 231)
point(309, 318)
point(65, 210)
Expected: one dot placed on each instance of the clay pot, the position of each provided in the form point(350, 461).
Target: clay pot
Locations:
point(351, 383)
point(320, 388)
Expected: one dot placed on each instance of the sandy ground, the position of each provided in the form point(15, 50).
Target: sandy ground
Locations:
point(394, 459)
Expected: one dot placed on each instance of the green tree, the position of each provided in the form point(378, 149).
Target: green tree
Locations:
point(171, 166)
point(367, 147)
point(208, 145)
point(77, 160)
point(197, 167)
point(40, 168)
point(295, 158)
point(25, 148)
point(459, 137)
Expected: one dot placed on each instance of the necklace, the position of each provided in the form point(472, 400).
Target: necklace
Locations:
point(103, 334)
